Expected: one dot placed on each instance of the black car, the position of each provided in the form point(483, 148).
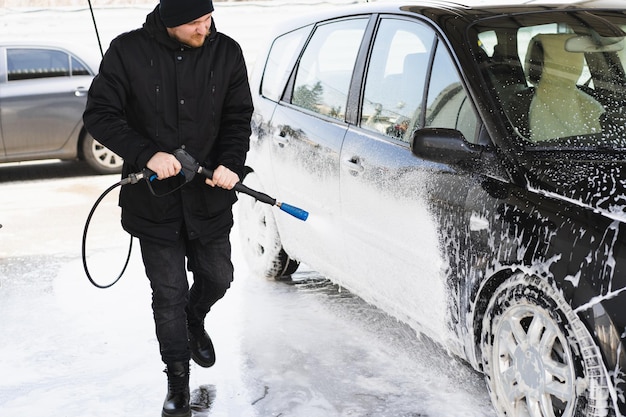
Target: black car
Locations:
point(463, 170)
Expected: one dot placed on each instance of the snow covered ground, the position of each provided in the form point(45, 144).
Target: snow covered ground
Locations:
point(299, 349)
point(302, 349)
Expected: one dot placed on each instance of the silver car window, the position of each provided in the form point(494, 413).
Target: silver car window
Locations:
point(78, 68)
point(27, 63)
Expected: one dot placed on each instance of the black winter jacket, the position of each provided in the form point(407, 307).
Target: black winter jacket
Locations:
point(153, 94)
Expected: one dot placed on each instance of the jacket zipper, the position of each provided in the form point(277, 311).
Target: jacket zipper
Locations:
point(157, 90)
point(213, 104)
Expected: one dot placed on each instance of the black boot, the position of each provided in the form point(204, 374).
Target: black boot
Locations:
point(201, 346)
point(177, 400)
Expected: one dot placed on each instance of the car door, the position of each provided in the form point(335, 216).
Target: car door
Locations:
point(391, 200)
point(42, 101)
point(308, 128)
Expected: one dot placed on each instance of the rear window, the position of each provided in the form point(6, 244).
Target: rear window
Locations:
point(280, 61)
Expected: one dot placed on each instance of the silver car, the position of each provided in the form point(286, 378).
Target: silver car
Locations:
point(43, 90)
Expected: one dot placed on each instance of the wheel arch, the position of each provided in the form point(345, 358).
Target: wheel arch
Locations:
point(481, 301)
point(599, 393)
point(595, 318)
point(483, 296)
point(82, 135)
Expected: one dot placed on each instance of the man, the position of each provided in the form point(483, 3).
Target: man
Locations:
point(177, 83)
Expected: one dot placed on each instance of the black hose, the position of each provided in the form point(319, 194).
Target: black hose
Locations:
point(190, 169)
point(84, 245)
point(134, 178)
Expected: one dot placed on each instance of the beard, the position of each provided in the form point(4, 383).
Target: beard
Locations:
point(194, 40)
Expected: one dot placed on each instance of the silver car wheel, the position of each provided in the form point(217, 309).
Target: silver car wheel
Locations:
point(100, 158)
point(539, 359)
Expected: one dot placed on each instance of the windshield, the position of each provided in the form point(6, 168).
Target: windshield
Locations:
point(559, 76)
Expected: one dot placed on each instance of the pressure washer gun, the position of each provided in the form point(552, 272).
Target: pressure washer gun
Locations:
point(191, 167)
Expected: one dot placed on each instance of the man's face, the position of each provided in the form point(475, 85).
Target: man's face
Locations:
point(194, 33)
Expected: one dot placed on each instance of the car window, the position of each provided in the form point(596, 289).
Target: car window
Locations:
point(448, 105)
point(396, 74)
point(280, 60)
point(325, 70)
point(78, 68)
point(27, 63)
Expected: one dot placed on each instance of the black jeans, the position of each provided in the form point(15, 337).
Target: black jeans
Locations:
point(173, 302)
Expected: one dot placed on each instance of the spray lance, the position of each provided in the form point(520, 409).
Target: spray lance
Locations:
point(190, 164)
point(190, 168)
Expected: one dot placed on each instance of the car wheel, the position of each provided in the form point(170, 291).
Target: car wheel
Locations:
point(539, 359)
point(260, 241)
point(99, 157)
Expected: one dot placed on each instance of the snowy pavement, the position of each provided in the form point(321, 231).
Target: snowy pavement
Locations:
point(299, 349)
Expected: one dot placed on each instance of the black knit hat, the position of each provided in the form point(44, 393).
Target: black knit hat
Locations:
point(178, 12)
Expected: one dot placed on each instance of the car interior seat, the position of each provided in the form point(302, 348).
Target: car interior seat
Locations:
point(506, 74)
point(558, 108)
point(405, 88)
point(506, 70)
point(412, 84)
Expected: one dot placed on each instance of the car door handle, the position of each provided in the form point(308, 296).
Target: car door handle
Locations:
point(80, 91)
point(354, 165)
point(281, 139)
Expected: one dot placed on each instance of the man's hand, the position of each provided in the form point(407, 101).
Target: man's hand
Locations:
point(223, 177)
point(164, 164)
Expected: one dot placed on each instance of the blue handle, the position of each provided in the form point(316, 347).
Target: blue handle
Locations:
point(296, 212)
point(149, 174)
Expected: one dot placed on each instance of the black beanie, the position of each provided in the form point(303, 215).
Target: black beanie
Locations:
point(178, 12)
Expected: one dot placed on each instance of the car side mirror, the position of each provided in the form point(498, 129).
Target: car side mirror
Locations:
point(442, 145)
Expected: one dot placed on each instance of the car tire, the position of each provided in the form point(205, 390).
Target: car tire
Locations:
point(100, 158)
point(538, 357)
point(260, 240)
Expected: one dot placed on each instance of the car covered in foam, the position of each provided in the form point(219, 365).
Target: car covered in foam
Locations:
point(463, 167)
